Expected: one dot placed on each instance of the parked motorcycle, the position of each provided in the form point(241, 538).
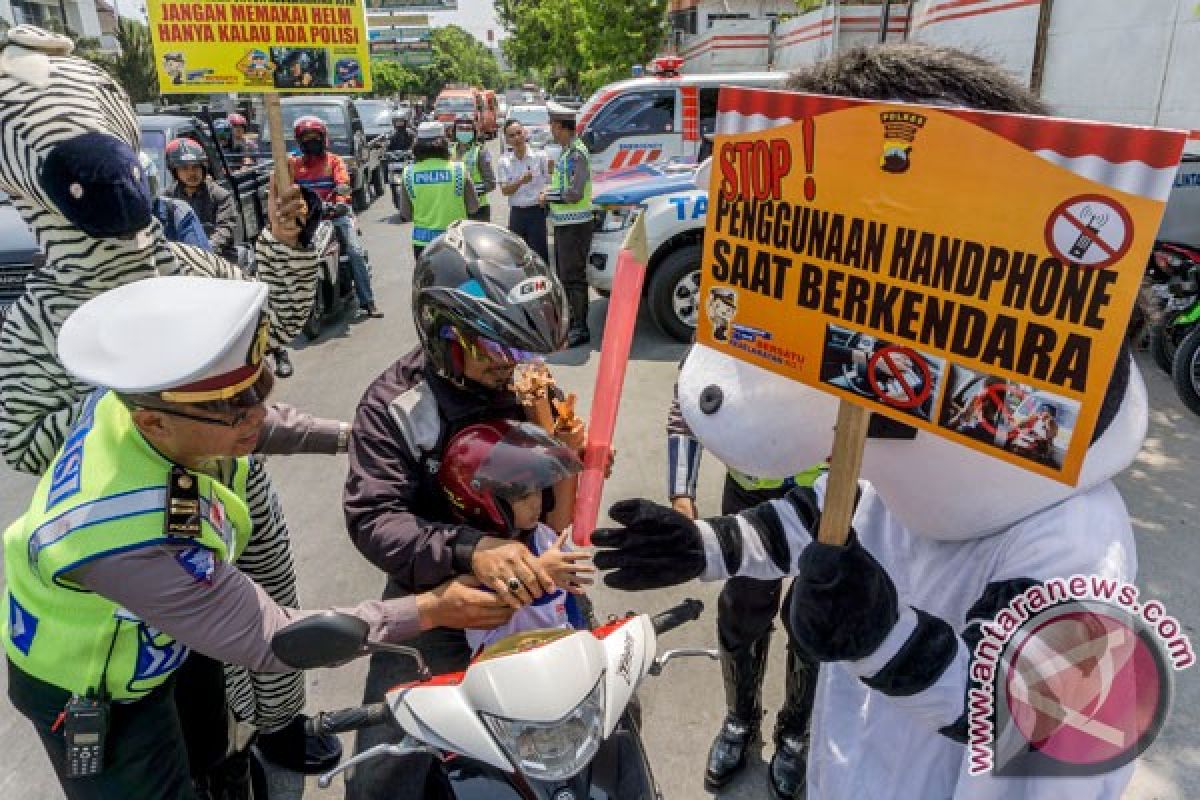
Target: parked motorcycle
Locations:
point(1169, 299)
point(396, 161)
point(539, 715)
point(335, 278)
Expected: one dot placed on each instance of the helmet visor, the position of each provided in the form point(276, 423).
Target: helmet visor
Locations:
point(487, 349)
point(526, 460)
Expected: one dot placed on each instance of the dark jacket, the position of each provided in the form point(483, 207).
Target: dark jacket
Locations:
point(396, 513)
point(218, 213)
point(401, 140)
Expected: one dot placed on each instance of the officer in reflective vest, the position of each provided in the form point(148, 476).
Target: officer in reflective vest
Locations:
point(570, 201)
point(478, 160)
point(437, 191)
point(122, 562)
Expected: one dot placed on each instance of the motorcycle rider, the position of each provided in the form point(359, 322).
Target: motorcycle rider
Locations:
point(470, 150)
point(179, 222)
point(402, 136)
point(211, 201)
point(473, 334)
point(325, 173)
point(241, 146)
point(436, 190)
point(166, 441)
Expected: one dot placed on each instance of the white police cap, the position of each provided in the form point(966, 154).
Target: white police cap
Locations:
point(560, 113)
point(430, 130)
point(191, 339)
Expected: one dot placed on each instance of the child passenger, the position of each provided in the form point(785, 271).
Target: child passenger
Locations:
point(510, 479)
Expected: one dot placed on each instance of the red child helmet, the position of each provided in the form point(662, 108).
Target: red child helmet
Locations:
point(487, 465)
point(236, 119)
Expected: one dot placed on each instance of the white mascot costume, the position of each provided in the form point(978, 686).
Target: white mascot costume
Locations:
point(943, 536)
point(70, 163)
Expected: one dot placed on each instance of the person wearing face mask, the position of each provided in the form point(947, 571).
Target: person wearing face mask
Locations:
point(471, 152)
point(325, 173)
point(437, 191)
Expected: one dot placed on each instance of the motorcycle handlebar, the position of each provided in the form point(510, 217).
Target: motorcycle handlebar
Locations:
point(687, 611)
point(348, 719)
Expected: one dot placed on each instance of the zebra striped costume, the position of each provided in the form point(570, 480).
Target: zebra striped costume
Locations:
point(47, 98)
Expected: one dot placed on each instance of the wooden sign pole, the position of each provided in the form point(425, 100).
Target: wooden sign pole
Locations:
point(844, 465)
point(279, 154)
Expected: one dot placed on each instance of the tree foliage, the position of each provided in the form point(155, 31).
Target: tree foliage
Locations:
point(458, 57)
point(391, 78)
point(616, 36)
point(586, 42)
point(133, 67)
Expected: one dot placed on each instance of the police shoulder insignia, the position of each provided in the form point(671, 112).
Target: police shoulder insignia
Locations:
point(197, 562)
point(183, 504)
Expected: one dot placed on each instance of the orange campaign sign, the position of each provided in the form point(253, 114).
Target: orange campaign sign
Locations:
point(968, 273)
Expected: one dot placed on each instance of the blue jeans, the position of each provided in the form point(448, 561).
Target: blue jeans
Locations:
point(358, 264)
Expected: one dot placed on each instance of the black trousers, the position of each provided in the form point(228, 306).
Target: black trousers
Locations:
point(144, 758)
point(200, 700)
point(445, 650)
point(746, 607)
point(529, 222)
point(484, 214)
point(571, 246)
point(746, 611)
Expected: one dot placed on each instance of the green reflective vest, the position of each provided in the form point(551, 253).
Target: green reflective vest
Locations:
point(571, 213)
point(471, 160)
point(105, 493)
point(756, 484)
point(437, 189)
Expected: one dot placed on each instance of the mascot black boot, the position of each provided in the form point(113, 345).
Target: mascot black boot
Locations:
point(742, 671)
point(789, 764)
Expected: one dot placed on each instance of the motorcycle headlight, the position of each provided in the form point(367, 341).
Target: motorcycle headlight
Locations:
point(618, 218)
point(553, 751)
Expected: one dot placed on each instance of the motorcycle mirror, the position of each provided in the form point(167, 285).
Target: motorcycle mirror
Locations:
point(321, 640)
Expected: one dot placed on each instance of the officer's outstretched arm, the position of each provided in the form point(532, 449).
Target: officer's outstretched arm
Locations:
point(211, 607)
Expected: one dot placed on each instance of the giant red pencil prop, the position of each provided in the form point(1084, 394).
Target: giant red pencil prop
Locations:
point(614, 357)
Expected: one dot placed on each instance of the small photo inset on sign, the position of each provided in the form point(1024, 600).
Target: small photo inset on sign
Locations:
point(1032, 423)
point(891, 374)
point(300, 67)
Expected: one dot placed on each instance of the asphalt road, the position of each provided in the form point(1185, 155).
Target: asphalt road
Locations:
point(683, 707)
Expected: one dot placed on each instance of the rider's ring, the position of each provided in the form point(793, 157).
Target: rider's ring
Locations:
point(514, 585)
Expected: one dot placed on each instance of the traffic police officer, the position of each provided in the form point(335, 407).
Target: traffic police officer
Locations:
point(470, 151)
point(437, 191)
point(570, 201)
point(151, 484)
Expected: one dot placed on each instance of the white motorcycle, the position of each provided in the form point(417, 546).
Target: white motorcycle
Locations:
point(539, 715)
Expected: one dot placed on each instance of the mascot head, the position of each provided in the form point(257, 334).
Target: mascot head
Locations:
point(763, 424)
point(70, 138)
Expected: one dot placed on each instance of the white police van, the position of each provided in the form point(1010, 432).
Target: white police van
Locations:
point(675, 212)
point(661, 117)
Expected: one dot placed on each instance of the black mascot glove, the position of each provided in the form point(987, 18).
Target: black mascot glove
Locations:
point(657, 546)
point(843, 602)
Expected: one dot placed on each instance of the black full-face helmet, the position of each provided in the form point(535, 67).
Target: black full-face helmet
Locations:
point(480, 285)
